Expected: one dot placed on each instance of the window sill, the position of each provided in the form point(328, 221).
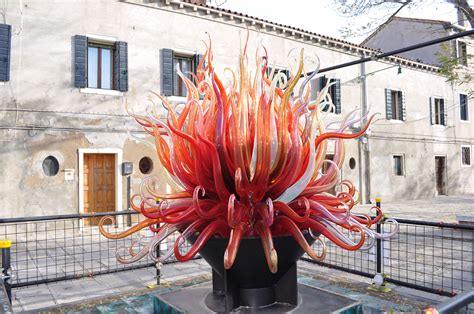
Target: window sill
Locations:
point(439, 126)
point(465, 121)
point(2, 83)
point(177, 99)
point(396, 121)
point(97, 91)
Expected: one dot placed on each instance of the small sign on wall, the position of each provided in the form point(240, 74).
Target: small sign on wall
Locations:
point(68, 174)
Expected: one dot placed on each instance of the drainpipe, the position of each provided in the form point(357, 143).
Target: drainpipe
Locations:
point(364, 141)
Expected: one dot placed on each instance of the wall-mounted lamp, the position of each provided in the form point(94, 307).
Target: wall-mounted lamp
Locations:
point(399, 69)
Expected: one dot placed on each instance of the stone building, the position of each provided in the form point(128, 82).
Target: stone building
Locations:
point(69, 67)
point(399, 32)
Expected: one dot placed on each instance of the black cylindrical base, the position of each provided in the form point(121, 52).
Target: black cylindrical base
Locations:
point(249, 283)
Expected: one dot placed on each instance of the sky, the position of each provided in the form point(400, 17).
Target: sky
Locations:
point(322, 16)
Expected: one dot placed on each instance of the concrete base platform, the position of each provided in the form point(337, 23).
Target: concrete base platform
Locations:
point(311, 300)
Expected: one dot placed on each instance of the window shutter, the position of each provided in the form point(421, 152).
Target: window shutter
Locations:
point(445, 113)
point(5, 49)
point(322, 82)
point(315, 88)
point(80, 61)
point(167, 71)
point(197, 59)
point(337, 96)
point(388, 103)
point(432, 111)
point(121, 66)
point(403, 106)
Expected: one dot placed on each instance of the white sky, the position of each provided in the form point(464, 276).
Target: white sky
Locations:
point(322, 16)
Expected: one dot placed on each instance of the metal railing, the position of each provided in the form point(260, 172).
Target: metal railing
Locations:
point(431, 256)
point(62, 247)
point(459, 304)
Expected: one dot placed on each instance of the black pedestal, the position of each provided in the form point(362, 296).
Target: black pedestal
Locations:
point(249, 283)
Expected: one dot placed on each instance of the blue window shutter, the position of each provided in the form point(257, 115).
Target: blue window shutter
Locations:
point(432, 120)
point(121, 66)
point(444, 113)
point(5, 51)
point(403, 106)
point(337, 96)
point(167, 71)
point(80, 61)
point(388, 103)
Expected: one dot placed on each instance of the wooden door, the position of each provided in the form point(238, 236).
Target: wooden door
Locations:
point(440, 173)
point(99, 185)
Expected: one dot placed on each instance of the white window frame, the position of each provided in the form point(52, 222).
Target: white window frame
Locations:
point(458, 54)
point(106, 40)
point(467, 108)
point(442, 114)
point(470, 156)
point(403, 165)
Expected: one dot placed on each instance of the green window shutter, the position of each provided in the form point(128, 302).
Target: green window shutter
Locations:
point(80, 61)
point(388, 103)
point(5, 51)
point(403, 106)
point(444, 113)
point(337, 96)
point(121, 66)
point(167, 71)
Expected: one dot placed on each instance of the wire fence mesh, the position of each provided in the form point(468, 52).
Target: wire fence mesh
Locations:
point(435, 257)
point(430, 256)
point(68, 248)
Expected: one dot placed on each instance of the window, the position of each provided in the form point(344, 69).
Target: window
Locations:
point(286, 72)
point(466, 156)
point(5, 48)
point(172, 84)
point(100, 63)
point(145, 165)
point(185, 64)
point(398, 165)
point(395, 105)
point(50, 166)
point(100, 66)
point(462, 53)
point(438, 111)
point(334, 92)
point(463, 107)
point(352, 163)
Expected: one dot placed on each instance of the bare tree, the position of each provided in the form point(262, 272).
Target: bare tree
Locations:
point(357, 8)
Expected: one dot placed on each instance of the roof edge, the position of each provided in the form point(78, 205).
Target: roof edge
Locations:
point(300, 34)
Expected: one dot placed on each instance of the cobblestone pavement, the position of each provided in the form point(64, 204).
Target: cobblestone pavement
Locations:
point(81, 292)
point(441, 208)
point(43, 254)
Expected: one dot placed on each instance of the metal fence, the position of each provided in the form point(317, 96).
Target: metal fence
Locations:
point(431, 256)
point(434, 257)
point(53, 248)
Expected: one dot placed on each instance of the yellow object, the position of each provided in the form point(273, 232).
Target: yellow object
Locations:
point(152, 286)
point(378, 199)
point(5, 244)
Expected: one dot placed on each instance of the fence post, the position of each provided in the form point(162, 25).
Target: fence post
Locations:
point(379, 282)
point(378, 227)
point(158, 264)
point(5, 246)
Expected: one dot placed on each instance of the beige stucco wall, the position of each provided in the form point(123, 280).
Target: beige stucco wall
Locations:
point(65, 120)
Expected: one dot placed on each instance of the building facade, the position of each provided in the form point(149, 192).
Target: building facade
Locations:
point(68, 142)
